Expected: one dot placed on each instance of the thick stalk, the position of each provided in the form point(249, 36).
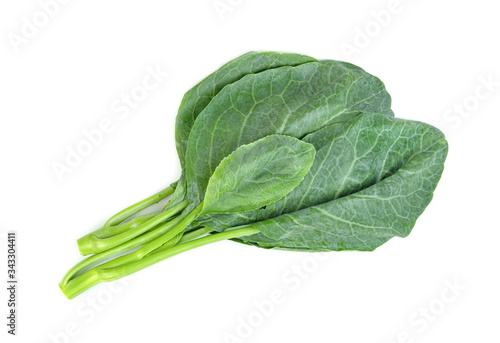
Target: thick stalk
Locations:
point(97, 275)
point(112, 226)
point(98, 258)
point(91, 244)
point(175, 232)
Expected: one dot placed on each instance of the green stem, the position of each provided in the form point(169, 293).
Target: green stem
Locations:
point(97, 275)
point(189, 236)
point(123, 227)
point(98, 258)
point(158, 242)
point(141, 205)
point(113, 227)
point(91, 244)
point(173, 234)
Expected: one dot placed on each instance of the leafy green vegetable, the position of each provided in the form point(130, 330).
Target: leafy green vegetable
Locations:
point(277, 151)
point(290, 100)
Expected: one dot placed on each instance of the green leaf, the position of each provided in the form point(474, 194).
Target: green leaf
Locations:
point(257, 174)
point(292, 101)
point(197, 98)
point(371, 179)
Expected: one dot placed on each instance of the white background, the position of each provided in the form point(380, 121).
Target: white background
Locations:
point(63, 77)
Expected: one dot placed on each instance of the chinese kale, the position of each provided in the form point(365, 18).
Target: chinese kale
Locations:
point(277, 151)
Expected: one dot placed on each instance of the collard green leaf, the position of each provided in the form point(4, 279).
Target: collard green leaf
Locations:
point(292, 101)
point(369, 184)
point(257, 174)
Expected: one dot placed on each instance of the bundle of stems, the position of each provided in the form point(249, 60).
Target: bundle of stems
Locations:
point(124, 246)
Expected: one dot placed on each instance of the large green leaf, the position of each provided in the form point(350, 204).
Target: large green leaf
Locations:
point(258, 174)
point(369, 184)
point(197, 98)
point(291, 101)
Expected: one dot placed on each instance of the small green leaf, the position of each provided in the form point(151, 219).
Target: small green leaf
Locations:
point(258, 174)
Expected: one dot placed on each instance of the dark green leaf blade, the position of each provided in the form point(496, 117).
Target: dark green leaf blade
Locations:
point(292, 101)
point(198, 97)
point(363, 219)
